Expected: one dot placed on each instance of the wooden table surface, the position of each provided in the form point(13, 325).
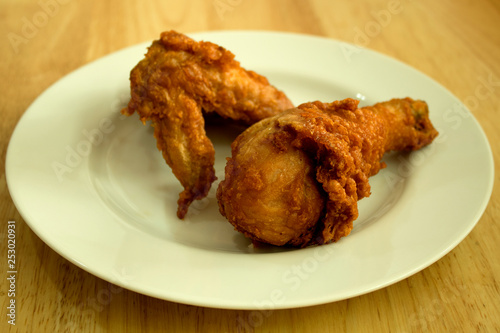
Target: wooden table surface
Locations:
point(457, 43)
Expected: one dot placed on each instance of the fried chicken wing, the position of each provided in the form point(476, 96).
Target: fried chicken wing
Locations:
point(295, 178)
point(175, 84)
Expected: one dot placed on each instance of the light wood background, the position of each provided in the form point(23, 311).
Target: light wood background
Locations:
point(457, 43)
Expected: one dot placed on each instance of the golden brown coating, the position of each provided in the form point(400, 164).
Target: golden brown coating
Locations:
point(295, 178)
point(178, 80)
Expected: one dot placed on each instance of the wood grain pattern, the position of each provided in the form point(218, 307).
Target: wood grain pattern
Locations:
point(457, 43)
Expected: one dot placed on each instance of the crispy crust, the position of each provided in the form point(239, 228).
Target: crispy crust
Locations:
point(340, 147)
point(175, 84)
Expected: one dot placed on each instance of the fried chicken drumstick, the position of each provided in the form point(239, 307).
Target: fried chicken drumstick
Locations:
point(295, 178)
point(178, 81)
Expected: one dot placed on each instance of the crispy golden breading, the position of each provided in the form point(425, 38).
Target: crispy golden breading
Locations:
point(295, 178)
point(178, 80)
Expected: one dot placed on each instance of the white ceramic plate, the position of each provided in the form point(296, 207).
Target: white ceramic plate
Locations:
point(93, 186)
